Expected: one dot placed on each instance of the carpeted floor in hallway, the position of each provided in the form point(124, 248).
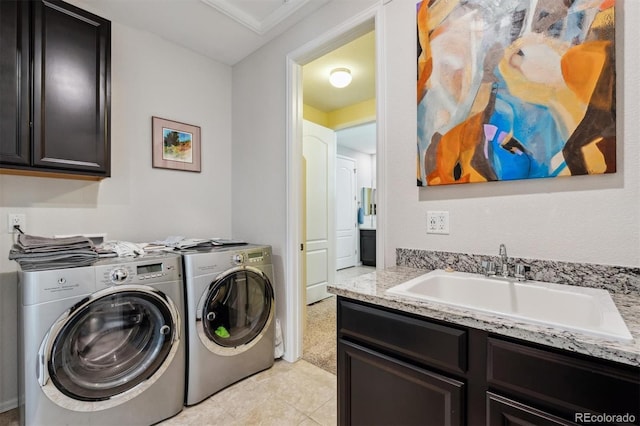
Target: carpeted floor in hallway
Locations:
point(319, 345)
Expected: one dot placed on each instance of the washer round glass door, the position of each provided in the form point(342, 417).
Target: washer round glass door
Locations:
point(237, 309)
point(111, 344)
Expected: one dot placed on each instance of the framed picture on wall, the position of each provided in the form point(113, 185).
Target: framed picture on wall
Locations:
point(175, 145)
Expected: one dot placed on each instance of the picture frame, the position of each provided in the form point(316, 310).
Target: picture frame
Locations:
point(176, 145)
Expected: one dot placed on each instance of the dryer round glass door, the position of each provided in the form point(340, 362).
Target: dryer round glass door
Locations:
point(111, 344)
point(238, 307)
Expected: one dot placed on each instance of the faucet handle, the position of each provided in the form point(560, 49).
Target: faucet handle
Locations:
point(489, 267)
point(520, 271)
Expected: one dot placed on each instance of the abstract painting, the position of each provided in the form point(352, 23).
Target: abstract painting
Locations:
point(515, 89)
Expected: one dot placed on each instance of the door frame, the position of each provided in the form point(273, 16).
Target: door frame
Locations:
point(369, 19)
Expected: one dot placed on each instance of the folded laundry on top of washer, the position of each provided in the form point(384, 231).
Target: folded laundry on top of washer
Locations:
point(35, 244)
point(39, 253)
point(226, 242)
point(59, 260)
point(192, 243)
point(121, 248)
point(180, 243)
point(154, 247)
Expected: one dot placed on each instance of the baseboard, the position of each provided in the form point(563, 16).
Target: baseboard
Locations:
point(8, 405)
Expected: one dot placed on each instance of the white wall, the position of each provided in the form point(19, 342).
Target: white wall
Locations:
point(150, 77)
point(592, 219)
point(138, 203)
point(364, 167)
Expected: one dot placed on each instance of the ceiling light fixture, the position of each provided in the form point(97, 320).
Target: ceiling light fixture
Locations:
point(340, 77)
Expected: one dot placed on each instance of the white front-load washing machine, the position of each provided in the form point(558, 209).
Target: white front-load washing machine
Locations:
point(230, 317)
point(103, 344)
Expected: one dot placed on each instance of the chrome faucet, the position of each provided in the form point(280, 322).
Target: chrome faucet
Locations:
point(504, 261)
point(489, 267)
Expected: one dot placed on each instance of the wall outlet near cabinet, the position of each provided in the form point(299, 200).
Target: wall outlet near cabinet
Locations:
point(437, 222)
point(16, 219)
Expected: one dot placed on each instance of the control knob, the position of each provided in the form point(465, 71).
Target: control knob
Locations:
point(237, 259)
point(119, 275)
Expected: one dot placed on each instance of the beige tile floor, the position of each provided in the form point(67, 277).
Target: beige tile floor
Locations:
point(287, 394)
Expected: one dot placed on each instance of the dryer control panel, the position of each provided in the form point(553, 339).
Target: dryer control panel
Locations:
point(257, 256)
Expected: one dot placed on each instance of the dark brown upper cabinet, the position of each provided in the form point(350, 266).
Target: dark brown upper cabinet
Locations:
point(54, 116)
point(14, 84)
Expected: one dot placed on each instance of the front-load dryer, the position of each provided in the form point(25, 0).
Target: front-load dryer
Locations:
point(103, 344)
point(230, 317)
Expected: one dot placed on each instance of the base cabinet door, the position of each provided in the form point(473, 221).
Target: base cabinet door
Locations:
point(376, 389)
point(368, 247)
point(506, 412)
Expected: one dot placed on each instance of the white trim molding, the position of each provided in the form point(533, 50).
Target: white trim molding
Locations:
point(259, 25)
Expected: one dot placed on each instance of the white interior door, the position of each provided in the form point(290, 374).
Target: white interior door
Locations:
point(346, 213)
point(319, 151)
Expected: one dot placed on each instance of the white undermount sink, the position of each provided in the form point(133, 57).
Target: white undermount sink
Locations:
point(572, 308)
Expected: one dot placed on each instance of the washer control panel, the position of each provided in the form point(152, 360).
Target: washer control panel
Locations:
point(119, 275)
point(150, 271)
point(147, 271)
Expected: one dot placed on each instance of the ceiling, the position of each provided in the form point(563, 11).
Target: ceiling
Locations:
point(230, 30)
point(224, 30)
point(360, 138)
point(359, 56)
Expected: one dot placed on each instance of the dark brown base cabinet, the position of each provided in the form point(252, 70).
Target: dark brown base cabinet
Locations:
point(381, 387)
point(396, 368)
point(368, 247)
point(55, 89)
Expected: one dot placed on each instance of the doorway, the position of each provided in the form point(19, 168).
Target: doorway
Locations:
point(349, 31)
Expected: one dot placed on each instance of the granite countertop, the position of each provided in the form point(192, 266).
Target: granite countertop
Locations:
point(371, 288)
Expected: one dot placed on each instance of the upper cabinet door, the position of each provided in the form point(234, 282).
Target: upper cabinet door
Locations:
point(14, 83)
point(71, 89)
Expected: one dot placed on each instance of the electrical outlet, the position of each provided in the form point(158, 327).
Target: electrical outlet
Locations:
point(437, 222)
point(16, 219)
